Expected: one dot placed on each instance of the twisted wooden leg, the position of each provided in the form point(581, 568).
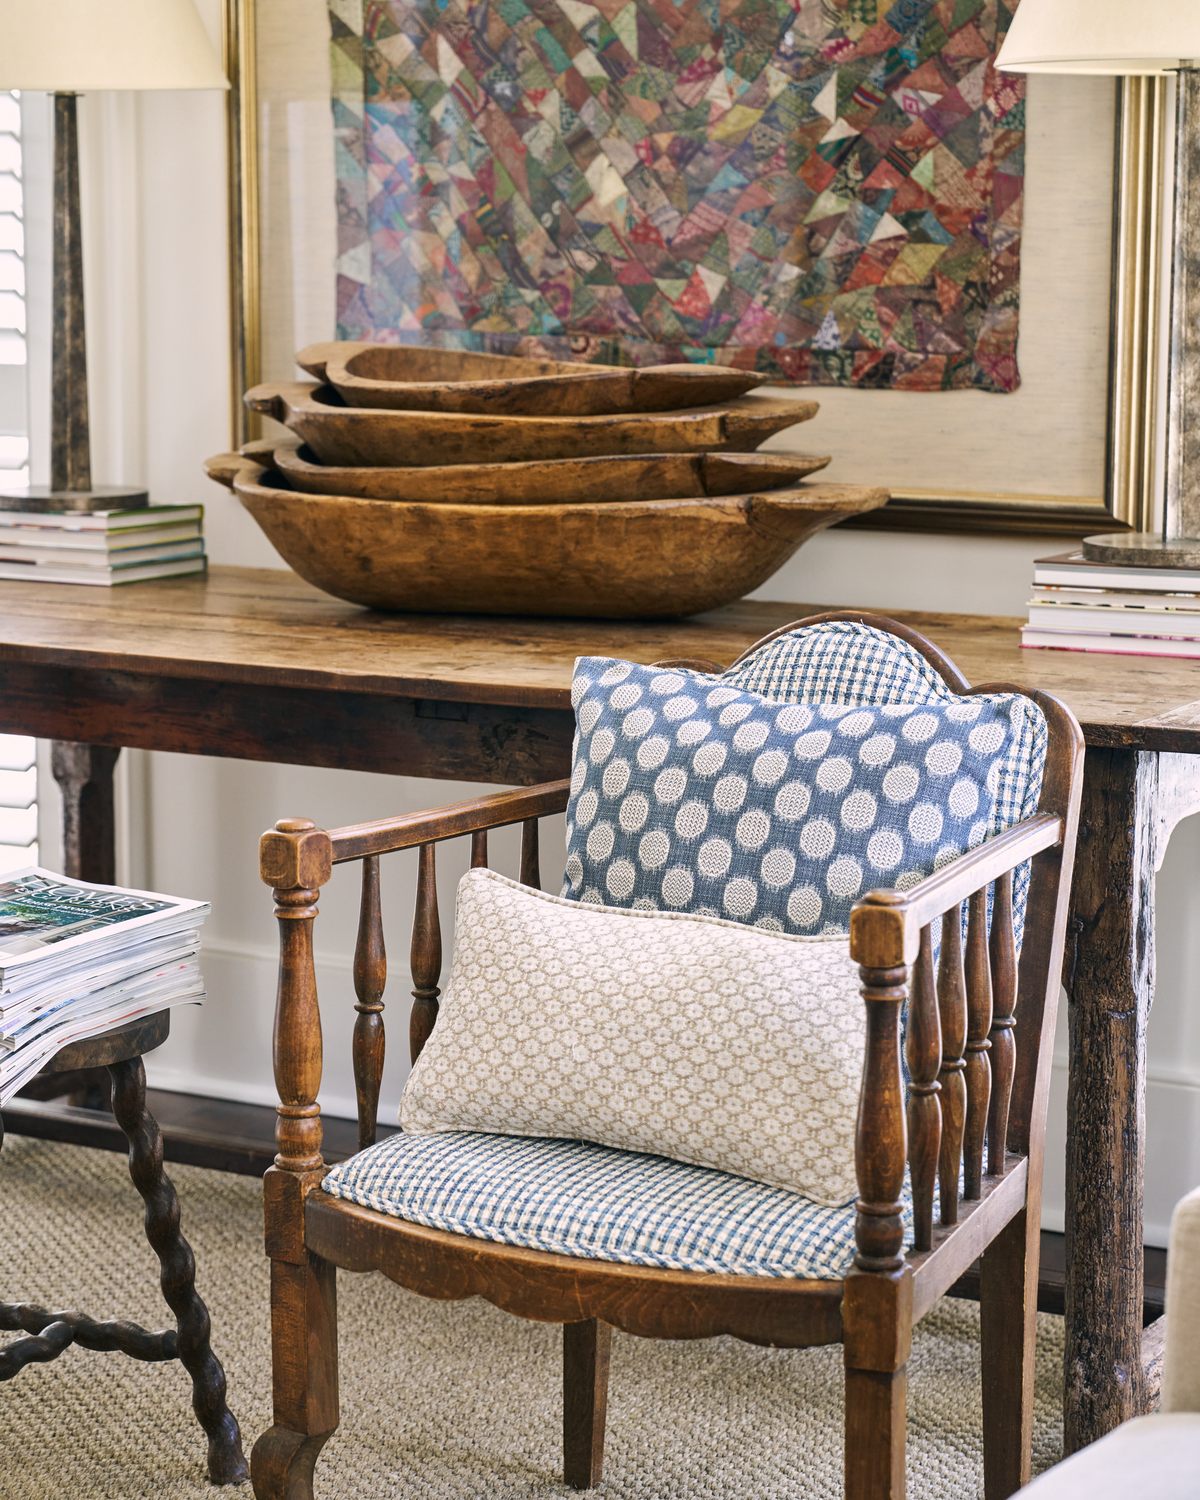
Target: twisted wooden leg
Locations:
point(52, 1332)
point(39, 1348)
point(226, 1465)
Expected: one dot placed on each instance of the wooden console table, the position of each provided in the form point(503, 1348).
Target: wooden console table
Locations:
point(260, 666)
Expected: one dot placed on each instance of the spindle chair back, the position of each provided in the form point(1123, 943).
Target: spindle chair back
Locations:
point(969, 1136)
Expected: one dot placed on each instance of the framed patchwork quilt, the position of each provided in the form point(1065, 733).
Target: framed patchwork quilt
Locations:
point(829, 191)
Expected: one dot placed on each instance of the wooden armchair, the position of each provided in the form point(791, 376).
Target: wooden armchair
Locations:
point(978, 1052)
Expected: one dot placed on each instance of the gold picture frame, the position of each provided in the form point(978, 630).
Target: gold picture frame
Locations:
point(1131, 438)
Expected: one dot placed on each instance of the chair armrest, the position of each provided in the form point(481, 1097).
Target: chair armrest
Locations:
point(477, 813)
point(1181, 1364)
point(891, 940)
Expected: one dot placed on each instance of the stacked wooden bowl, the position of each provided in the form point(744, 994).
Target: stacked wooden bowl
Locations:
point(425, 479)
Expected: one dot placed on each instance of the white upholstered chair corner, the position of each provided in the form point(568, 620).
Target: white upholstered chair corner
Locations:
point(1157, 1455)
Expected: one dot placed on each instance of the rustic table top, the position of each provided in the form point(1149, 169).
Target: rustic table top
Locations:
point(269, 627)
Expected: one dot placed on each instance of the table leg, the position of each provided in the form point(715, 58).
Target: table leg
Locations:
point(1131, 801)
point(226, 1465)
point(85, 775)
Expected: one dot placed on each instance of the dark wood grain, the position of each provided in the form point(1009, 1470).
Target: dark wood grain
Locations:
point(425, 953)
point(134, 1039)
point(531, 873)
point(370, 977)
point(1110, 983)
point(269, 629)
point(924, 1052)
point(952, 1010)
point(1008, 1331)
point(84, 774)
point(586, 1353)
point(771, 1310)
point(52, 1332)
point(880, 1146)
point(177, 1267)
point(979, 1024)
point(1002, 1057)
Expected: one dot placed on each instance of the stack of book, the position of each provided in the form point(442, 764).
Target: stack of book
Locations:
point(1079, 605)
point(79, 959)
point(102, 547)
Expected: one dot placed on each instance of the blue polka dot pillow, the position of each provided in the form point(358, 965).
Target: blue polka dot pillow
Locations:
point(696, 793)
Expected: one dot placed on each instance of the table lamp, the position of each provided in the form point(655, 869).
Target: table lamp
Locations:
point(1126, 37)
point(69, 47)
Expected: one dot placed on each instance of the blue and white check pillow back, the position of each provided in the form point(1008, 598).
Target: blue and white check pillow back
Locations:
point(832, 761)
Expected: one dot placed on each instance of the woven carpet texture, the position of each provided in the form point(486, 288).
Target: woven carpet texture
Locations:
point(440, 1401)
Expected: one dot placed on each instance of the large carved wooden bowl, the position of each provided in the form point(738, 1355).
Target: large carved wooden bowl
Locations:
point(404, 378)
point(555, 481)
point(351, 435)
point(642, 559)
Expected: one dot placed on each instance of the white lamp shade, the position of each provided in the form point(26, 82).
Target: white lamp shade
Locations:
point(1102, 36)
point(73, 46)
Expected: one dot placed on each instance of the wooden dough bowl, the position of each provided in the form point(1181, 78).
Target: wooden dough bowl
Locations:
point(557, 481)
point(353, 436)
point(404, 378)
point(643, 559)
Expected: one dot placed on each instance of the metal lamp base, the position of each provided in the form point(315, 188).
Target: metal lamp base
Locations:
point(1143, 549)
point(38, 498)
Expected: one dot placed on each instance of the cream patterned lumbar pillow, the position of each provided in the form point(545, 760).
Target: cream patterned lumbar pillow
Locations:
point(684, 1036)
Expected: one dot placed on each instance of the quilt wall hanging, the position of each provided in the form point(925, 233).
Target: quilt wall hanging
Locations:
point(829, 191)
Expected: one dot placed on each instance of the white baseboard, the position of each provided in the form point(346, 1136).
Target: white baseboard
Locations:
point(186, 1081)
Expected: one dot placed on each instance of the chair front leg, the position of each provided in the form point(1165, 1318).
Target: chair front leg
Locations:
point(877, 1330)
point(1008, 1285)
point(586, 1348)
point(878, 1299)
point(295, 859)
point(304, 1360)
point(876, 1404)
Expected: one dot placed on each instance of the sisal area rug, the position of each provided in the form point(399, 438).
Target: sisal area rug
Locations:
point(440, 1401)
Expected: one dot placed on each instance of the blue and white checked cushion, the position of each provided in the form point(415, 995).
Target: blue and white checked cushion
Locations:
point(689, 793)
point(844, 662)
point(575, 1198)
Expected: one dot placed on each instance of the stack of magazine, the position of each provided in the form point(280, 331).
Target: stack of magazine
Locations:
point(105, 547)
point(79, 959)
point(1080, 605)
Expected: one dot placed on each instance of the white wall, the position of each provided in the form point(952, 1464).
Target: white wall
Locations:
point(192, 824)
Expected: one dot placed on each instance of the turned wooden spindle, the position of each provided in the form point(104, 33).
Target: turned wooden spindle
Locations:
point(370, 976)
point(880, 1144)
point(1002, 950)
point(426, 954)
point(297, 1038)
point(530, 873)
point(479, 854)
point(952, 1008)
point(979, 1024)
point(923, 1048)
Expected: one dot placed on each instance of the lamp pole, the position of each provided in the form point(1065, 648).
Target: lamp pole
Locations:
point(1182, 512)
point(70, 453)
